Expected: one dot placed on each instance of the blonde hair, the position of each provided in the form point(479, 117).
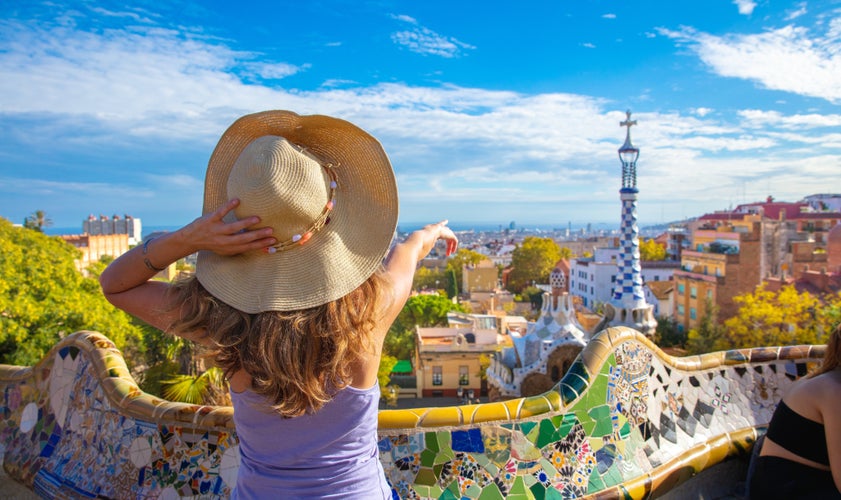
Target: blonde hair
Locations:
point(297, 360)
point(832, 357)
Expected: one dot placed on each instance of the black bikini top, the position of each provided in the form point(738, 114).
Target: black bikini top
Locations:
point(798, 434)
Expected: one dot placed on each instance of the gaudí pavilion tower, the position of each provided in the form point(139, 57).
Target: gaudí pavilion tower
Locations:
point(543, 355)
point(628, 307)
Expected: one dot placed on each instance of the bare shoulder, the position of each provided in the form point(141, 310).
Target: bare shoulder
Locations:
point(820, 394)
point(815, 397)
point(829, 389)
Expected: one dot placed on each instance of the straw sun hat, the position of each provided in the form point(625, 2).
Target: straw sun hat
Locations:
point(327, 190)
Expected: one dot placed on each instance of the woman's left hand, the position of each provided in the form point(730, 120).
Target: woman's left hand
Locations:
point(212, 232)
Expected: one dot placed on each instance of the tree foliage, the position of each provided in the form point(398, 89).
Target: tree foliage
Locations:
point(387, 363)
point(38, 220)
point(420, 310)
point(534, 295)
point(43, 297)
point(709, 336)
point(532, 260)
point(787, 317)
point(428, 279)
point(207, 388)
point(668, 334)
point(651, 250)
point(452, 283)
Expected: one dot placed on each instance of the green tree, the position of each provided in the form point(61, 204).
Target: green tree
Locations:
point(37, 220)
point(452, 284)
point(709, 336)
point(387, 364)
point(651, 250)
point(532, 261)
point(420, 310)
point(668, 334)
point(43, 298)
point(95, 269)
point(207, 388)
point(461, 258)
point(428, 279)
point(534, 295)
point(484, 363)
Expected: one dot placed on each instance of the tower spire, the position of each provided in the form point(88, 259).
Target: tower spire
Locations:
point(628, 306)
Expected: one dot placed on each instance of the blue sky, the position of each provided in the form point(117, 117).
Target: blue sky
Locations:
point(490, 111)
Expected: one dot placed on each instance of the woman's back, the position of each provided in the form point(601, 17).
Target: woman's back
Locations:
point(331, 453)
point(802, 443)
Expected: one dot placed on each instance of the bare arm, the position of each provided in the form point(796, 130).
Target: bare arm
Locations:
point(403, 261)
point(829, 405)
point(126, 281)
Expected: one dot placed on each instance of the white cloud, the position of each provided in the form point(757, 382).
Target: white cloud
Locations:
point(756, 118)
point(609, 16)
point(273, 71)
point(745, 6)
point(588, 45)
point(131, 15)
point(425, 41)
point(799, 11)
point(702, 112)
point(404, 18)
point(790, 59)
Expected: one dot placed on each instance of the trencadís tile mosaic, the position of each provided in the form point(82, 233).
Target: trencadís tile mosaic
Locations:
point(622, 420)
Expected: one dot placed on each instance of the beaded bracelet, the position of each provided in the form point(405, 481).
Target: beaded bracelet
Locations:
point(146, 259)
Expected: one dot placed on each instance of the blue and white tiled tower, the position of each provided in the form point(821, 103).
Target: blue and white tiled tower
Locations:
point(628, 306)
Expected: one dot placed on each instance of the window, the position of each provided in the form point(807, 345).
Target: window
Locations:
point(680, 310)
point(463, 377)
point(692, 314)
point(680, 288)
point(693, 292)
point(437, 375)
point(710, 293)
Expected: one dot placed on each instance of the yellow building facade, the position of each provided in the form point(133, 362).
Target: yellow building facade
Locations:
point(449, 359)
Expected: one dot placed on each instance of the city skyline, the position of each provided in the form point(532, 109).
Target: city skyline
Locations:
point(489, 112)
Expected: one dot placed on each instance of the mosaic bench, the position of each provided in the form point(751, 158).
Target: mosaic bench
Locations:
point(626, 421)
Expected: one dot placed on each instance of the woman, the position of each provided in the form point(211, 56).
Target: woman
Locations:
point(290, 296)
point(801, 452)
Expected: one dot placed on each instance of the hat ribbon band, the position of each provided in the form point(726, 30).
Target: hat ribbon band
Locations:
point(322, 220)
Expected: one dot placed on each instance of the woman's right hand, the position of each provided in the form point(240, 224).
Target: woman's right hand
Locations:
point(431, 233)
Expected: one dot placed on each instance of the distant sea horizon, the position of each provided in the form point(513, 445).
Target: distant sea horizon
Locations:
point(401, 227)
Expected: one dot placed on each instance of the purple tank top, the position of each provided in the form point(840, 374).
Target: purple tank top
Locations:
point(330, 454)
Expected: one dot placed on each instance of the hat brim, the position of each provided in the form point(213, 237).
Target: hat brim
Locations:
point(337, 259)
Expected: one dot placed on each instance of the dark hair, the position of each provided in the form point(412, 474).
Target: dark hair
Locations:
point(832, 357)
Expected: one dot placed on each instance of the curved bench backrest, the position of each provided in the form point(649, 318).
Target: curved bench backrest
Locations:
point(625, 421)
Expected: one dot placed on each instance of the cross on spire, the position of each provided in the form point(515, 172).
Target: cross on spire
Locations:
point(628, 122)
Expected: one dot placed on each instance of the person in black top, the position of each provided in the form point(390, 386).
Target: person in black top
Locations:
point(801, 453)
